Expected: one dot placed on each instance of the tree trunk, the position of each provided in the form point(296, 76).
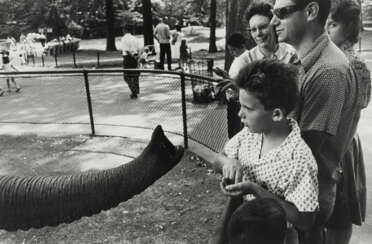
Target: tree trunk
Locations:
point(235, 22)
point(212, 23)
point(110, 21)
point(147, 23)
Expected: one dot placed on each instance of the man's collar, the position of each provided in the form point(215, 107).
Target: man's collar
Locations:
point(309, 59)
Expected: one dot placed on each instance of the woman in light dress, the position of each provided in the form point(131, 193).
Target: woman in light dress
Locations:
point(177, 37)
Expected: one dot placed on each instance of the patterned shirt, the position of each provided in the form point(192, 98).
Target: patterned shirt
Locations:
point(328, 102)
point(289, 171)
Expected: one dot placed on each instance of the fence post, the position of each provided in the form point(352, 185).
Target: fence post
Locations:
point(74, 58)
point(55, 59)
point(184, 114)
point(97, 59)
point(89, 100)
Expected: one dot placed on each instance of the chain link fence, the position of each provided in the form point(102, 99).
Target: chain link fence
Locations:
point(100, 101)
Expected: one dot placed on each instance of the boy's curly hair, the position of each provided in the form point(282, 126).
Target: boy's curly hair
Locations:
point(273, 82)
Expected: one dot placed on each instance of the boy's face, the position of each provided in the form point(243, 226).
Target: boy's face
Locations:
point(233, 51)
point(335, 31)
point(253, 114)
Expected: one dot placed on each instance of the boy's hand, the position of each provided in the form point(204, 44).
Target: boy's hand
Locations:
point(238, 189)
point(232, 170)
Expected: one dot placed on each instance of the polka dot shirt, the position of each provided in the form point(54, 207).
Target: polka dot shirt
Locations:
point(289, 171)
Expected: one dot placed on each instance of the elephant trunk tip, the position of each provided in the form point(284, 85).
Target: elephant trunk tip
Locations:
point(159, 138)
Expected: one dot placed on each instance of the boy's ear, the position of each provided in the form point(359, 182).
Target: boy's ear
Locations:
point(279, 115)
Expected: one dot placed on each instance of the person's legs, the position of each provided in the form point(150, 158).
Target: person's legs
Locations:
point(169, 56)
point(221, 235)
point(162, 55)
point(339, 236)
point(8, 83)
point(130, 77)
point(351, 196)
point(291, 236)
point(18, 88)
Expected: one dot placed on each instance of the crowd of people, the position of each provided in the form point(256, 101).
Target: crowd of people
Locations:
point(293, 168)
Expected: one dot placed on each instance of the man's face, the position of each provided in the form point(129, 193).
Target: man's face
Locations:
point(289, 21)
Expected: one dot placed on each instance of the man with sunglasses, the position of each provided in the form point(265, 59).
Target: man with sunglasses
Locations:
point(327, 112)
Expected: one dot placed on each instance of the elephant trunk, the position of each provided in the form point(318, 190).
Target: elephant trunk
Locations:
point(35, 202)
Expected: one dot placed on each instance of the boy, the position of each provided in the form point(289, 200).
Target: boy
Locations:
point(268, 158)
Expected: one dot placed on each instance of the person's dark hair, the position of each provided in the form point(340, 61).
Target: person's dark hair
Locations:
point(258, 221)
point(236, 40)
point(127, 28)
point(347, 13)
point(178, 28)
point(259, 8)
point(273, 82)
point(324, 8)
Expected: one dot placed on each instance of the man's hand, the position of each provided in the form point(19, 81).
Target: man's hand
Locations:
point(232, 169)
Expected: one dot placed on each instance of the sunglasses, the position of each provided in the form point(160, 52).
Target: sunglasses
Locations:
point(284, 12)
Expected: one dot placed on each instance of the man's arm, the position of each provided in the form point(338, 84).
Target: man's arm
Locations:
point(314, 139)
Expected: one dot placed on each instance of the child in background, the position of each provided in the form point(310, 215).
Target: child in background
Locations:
point(184, 54)
point(143, 57)
point(9, 67)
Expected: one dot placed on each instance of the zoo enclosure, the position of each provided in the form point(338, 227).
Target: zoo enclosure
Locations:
point(182, 103)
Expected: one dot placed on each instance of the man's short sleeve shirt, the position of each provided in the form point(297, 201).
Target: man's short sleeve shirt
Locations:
point(289, 171)
point(328, 102)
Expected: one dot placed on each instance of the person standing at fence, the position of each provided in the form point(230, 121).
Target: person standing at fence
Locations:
point(268, 157)
point(327, 112)
point(9, 67)
point(130, 50)
point(343, 27)
point(162, 34)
